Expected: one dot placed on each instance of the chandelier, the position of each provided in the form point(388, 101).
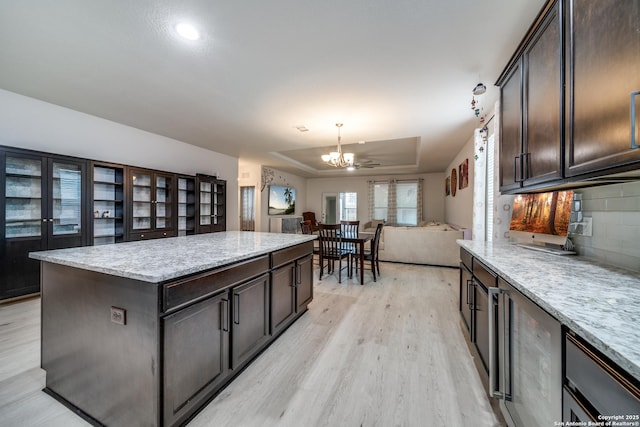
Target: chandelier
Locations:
point(337, 158)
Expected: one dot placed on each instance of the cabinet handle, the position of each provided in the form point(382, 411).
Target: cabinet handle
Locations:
point(517, 159)
point(236, 309)
point(469, 282)
point(494, 296)
point(225, 315)
point(298, 275)
point(142, 236)
point(634, 145)
point(526, 165)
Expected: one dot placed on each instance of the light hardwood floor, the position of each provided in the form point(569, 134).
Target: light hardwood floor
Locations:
point(389, 353)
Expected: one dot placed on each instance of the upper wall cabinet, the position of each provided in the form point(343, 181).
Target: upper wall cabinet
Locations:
point(152, 211)
point(603, 71)
point(531, 100)
point(569, 95)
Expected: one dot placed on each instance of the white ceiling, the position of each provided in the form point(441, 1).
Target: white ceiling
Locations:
point(398, 74)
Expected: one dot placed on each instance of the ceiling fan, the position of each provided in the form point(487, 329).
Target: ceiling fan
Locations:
point(365, 164)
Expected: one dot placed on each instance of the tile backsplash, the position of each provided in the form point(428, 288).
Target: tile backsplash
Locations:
point(615, 210)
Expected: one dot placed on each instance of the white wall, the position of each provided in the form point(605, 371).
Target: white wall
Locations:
point(29, 123)
point(459, 209)
point(433, 193)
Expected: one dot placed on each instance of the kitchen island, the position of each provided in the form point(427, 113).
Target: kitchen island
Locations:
point(146, 333)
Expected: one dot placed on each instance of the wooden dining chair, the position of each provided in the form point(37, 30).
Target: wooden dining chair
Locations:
point(350, 228)
point(371, 254)
point(331, 248)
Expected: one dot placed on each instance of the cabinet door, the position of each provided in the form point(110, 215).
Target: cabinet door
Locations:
point(141, 193)
point(195, 355)
point(23, 222)
point(481, 328)
point(205, 205)
point(511, 130)
point(66, 210)
point(304, 283)
point(466, 297)
point(164, 202)
point(219, 205)
point(282, 296)
point(604, 59)
point(250, 313)
point(542, 159)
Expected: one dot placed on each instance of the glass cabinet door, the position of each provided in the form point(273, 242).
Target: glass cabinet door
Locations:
point(205, 203)
point(23, 197)
point(66, 193)
point(163, 202)
point(141, 201)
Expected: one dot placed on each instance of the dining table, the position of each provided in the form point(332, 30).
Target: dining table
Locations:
point(359, 239)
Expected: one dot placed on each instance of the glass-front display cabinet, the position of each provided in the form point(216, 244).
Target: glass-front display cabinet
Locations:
point(211, 204)
point(152, 211)
point(43, 207)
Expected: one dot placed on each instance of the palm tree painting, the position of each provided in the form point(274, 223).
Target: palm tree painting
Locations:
point(282, 200)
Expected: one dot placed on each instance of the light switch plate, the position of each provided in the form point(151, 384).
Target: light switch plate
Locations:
point(119, 315)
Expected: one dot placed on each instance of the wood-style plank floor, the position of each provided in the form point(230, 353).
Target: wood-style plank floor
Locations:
point(389, 353)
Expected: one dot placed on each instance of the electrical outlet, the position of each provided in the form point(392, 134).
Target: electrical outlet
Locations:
point(119, 315)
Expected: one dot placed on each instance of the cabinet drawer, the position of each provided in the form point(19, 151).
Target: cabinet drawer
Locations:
point(487, 277)
point(151, 235)
point(599, 381)
point(466, 258)
point(184, 291)
point(287, 255)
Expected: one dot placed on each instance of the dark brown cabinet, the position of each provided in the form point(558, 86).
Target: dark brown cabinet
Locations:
point(196, 349)
point(603, 58)
point(531, 105)
point(291, 292)
point(43, 206)
point(570, 98)
point(250, 319)
point(186, 205)
point(212, 193)
point(152, 207)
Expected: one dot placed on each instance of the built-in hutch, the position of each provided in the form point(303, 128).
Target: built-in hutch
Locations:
point(51, 201)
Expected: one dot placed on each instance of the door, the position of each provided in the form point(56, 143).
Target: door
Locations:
point(542, 160)
point(247, 209)
point(304, 283)
point(282, 296)
point(330, 208)
point(196, 352)
point(603, 60)
point(250, 314)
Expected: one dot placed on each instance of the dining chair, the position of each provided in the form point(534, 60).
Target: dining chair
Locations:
point(350, 228)
point(331, 248)
point(305, 226)
point(371, 254)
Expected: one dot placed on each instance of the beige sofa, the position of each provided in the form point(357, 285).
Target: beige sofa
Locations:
point(429, 244)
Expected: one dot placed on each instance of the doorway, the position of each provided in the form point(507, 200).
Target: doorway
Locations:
point(330, 208)
point(247, 209)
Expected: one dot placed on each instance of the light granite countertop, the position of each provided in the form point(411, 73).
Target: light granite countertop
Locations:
point(599, 302)
point(161, 260)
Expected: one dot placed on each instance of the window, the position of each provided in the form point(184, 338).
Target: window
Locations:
point(380, 200)
point(397, 202)
point(348, 206)
point(407, 203)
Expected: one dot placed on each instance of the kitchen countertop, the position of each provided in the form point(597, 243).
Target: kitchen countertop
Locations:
point(161, 260)
point(599, 302)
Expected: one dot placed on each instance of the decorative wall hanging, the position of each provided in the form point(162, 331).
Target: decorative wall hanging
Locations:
point(463, 174)
point(454, 182)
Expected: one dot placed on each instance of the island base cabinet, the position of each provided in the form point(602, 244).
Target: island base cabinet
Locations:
point(291, 292)
point(250, 315)
point(304, 283)
point(195, 357)
point(107, 370)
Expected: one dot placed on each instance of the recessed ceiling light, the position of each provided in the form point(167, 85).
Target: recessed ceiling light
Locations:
point(187, 31)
